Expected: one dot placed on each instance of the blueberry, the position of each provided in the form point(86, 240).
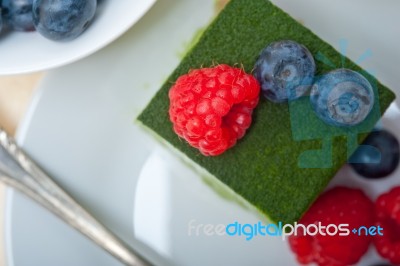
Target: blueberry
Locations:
point(285, 70)
point(379, 162)
point(342, 97)
point(63, 20)
point(18, 14)
point(1, 20)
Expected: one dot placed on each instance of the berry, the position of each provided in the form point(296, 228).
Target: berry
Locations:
point(339, 205)
point(63, 20)
point(285, 70)
point(1, 20)
point(342, 97)
point(18, 14)
point(387, 208)
point(211, 108)
point(378, 156)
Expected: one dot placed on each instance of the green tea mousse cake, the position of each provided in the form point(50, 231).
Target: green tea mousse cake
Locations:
point(288, 155)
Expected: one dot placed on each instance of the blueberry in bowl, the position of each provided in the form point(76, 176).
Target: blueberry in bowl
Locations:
point(285, 70)
point(1, 20)
point(18, 14)
point(342, 97)
point(63, 20)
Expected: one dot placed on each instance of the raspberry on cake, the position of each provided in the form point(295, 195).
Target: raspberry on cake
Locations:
point(339, 205)
point(211, 108)
point(387, 208)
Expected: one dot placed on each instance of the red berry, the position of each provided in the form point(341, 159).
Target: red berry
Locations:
point(337, 206)
point(211, 108)
point(387, 208)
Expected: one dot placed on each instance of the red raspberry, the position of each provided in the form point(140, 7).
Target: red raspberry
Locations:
point(339, 205)
point(211, 108)
point(387, 208)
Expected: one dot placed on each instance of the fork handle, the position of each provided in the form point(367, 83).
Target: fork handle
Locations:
point(20, 172)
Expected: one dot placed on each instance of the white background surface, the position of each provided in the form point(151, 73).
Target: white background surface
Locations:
point(106, 109)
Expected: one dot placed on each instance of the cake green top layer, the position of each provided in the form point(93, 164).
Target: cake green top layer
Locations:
point(274, 166)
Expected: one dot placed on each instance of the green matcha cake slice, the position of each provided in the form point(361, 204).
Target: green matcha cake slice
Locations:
point(288, 155)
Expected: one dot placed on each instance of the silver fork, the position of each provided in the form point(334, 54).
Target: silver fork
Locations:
point(20, 172)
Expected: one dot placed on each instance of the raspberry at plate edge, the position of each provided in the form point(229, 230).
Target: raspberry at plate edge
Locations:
point(340, 205)
point(387, 208)
point(211, 108)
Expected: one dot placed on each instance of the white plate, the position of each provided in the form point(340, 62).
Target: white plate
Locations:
point(81, 129)
point(22, 52)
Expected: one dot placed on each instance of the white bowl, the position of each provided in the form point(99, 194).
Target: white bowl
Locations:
point(22, 52)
